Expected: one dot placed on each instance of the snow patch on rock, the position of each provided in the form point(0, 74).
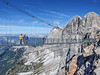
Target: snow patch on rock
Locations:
point(26, 73)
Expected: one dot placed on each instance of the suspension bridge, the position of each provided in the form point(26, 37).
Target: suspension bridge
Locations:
point(14, 41)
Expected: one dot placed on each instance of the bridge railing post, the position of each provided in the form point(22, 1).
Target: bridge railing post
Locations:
point(10, 40)
point(44, 40)
point(53, 41)
point(35, 41)
point(47, 41)
point(50, 40)
point(32, 40)
point(7, 40)
point(66, 40)
point(58, 41)
point(40, 41)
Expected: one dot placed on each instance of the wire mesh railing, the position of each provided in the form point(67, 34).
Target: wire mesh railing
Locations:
point(15, 41)
point(10, 41)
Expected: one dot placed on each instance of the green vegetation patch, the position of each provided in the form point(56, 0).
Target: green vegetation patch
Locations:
point(2, 52)
point(5, 58)
point(11, 60)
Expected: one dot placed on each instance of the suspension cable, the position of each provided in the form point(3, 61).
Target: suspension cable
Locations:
point(13, 6)
point(6, 20)
point(10, 27)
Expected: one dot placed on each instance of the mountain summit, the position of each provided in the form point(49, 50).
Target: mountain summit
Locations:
point(78, 26)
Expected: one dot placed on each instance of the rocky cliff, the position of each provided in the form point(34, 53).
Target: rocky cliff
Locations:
point(62, 59)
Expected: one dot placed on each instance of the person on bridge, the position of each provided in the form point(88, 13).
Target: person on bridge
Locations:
point(24, 39)
point(43, 40)
point(20, 39)
point(27, 39)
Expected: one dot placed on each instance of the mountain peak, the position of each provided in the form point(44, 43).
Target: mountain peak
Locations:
point(91, 14)
point(75, 20)
point(76, 17)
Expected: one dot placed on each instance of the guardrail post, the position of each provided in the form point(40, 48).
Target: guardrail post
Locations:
point(10, 40)
point(7, 40)
point(40, 42)
point(53, 41)
point(44, 41)
point(50, 40)
point(32, 41)
point(66, 40)
point(35, 41)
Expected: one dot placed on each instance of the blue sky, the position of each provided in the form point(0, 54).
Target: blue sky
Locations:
point(56, 12)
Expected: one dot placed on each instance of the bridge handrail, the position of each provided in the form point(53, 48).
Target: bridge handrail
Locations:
point(41, 41)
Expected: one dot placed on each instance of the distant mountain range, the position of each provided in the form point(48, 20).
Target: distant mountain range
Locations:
point(37, 35)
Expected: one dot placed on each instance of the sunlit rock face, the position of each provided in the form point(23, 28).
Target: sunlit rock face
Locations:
point(78, 28)
point(92, 20)
point(90, 24)
point(56, 33)
point(71, 29)
point(44, 60)
point(51, 59)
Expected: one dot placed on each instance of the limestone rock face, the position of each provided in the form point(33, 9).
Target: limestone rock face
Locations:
point(70, 30)
point(73, 66)
point(92, 19)
point(90, 24)
point(88, 50)
point(56, 33)
point(78, 28)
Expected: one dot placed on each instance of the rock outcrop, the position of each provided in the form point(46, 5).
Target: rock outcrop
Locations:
point(70, 30)
point(56, 32)
point(90, 24)
point(88, 28)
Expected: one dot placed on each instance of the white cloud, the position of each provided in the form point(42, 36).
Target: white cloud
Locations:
point(20, 22)
point(26, 29)
point(34, 22)
point(56, 22)
point(57, 13)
